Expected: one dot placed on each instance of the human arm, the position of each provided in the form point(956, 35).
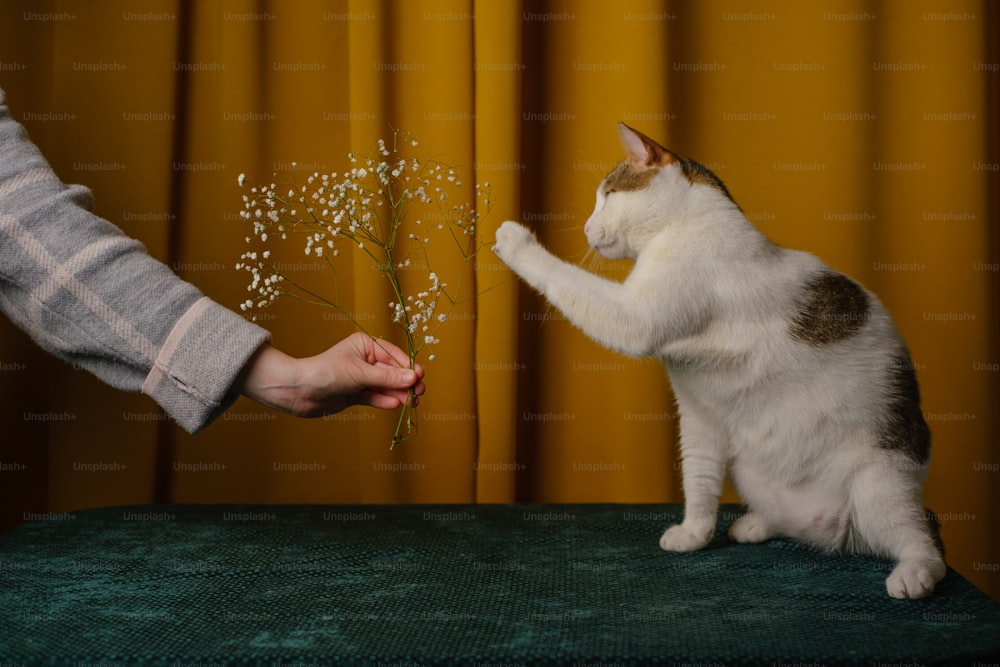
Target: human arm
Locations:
point(89, 294)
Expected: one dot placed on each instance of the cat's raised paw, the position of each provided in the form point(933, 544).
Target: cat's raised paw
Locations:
point(511, 237)
point(912, 580)
point(683, 538)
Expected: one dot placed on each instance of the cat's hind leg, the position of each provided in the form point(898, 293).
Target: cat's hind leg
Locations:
point(809, 510)
point(889, 519)
point(752, 528)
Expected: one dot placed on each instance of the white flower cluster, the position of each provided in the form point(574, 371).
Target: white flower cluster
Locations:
point(418, 313)
point(266, 286)
point(374, 207)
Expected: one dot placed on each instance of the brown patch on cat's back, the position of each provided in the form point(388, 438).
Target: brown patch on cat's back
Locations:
point(625, 177)
point(833, 308)
point(905, 429)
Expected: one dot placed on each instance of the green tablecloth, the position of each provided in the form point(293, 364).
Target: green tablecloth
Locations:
point(477, 585)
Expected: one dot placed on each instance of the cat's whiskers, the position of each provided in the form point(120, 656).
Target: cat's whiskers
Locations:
point(590, 259)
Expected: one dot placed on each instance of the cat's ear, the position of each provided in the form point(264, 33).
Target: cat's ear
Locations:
point(643, 151)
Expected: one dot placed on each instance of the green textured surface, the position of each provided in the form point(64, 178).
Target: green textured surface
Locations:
point(466, 585)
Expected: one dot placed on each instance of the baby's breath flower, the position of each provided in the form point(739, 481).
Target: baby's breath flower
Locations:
point(374, 205)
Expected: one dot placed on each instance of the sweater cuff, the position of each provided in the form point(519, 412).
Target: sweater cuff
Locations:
point(193, 375)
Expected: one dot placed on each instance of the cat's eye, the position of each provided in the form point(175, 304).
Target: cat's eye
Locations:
point(609, 191)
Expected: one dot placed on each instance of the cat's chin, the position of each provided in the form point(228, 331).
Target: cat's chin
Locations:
point(609, 251)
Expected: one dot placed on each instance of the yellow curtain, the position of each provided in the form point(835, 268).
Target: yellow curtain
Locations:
point(863, 132)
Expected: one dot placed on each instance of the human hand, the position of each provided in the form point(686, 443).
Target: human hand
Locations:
point(356, 371)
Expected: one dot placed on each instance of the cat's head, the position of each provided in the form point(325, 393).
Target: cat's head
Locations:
point(650, 189)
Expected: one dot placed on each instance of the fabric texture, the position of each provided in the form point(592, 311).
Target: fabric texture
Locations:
point(91, 295)
point(454, 585)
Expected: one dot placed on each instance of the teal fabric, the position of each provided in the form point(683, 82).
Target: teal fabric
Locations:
point(475, 585)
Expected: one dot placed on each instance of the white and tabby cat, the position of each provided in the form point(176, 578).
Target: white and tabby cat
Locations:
point(787, 374)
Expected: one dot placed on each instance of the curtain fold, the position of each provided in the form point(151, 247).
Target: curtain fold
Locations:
point(498, 71)
point(859, 131)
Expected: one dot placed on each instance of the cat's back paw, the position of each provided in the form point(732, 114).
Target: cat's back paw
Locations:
point(751, 528)
point(684, 538)
point(915, 579)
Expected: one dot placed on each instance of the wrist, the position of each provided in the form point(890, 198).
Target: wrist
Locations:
point(270, 378)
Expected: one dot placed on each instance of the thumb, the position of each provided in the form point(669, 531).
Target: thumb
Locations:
point(391, 377)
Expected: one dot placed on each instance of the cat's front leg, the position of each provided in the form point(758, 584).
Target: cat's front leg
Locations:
point(701, 507)
point(519, 248)
point(634, 318)
point(703, 467)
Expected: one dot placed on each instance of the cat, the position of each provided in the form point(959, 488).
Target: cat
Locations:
point(788, 376)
